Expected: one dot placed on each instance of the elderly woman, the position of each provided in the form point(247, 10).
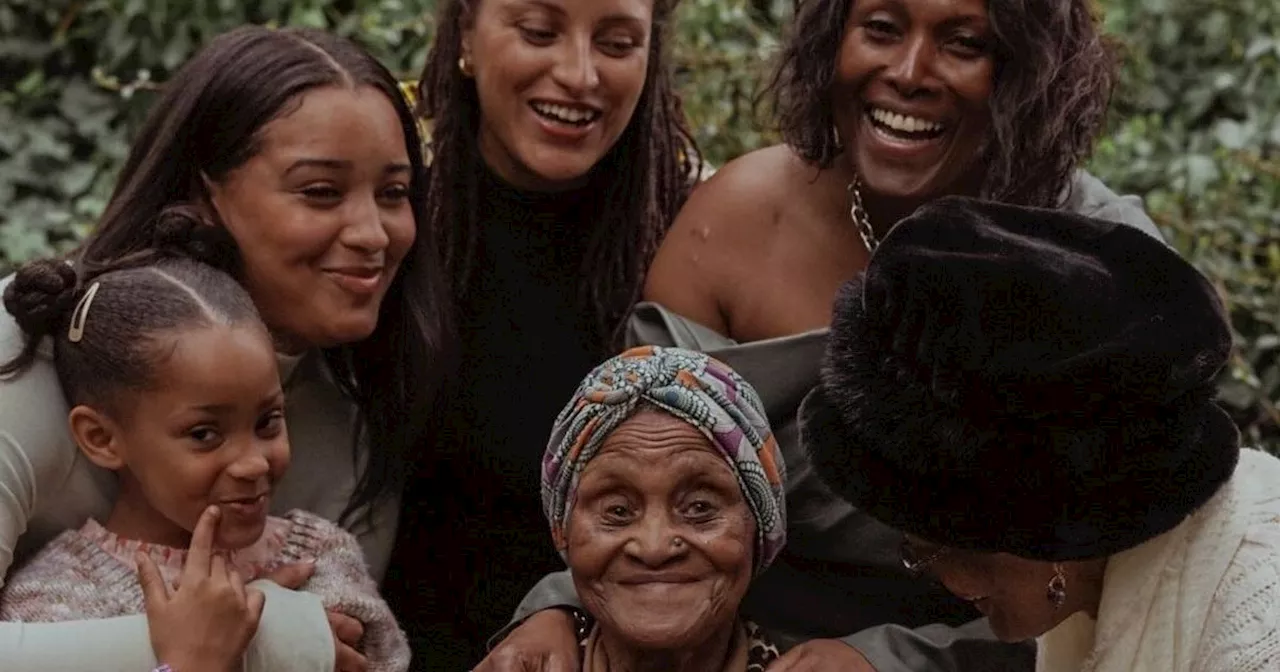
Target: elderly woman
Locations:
point(1027, 396)
point(663, 486)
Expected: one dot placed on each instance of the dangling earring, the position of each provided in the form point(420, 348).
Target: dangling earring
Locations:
point(1057, 592)
point(464, 66)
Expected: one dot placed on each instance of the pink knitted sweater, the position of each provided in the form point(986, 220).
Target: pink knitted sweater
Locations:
point(89, 574)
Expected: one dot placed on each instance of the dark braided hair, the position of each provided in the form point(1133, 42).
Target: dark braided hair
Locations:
point(179, 283)
point(1054, 77)
point(639, 185)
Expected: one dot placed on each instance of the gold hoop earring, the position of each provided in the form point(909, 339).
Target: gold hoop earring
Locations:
point(464, 66)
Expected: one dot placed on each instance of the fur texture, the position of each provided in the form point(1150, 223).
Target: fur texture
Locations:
point(1023, 380)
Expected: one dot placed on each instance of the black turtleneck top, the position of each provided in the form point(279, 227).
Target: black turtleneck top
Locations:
point(472, 537)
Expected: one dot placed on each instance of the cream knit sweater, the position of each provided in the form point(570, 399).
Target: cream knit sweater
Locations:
point(82, 574)
point(1203, 597)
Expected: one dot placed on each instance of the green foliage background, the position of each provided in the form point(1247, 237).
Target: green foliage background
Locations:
point(1196, 123)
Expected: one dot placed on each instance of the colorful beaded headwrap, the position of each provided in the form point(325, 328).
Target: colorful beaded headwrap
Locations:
point(693, 387)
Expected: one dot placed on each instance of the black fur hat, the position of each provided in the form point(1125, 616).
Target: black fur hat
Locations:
point(1025, 381)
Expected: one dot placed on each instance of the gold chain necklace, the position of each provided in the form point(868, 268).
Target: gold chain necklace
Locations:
point(859, 215)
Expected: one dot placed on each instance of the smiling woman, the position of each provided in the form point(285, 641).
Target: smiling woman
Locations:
point(663, 486)
point(886, 105)
point(559, 157)
point(912, 94)
point(322, 215)
point(554, 106)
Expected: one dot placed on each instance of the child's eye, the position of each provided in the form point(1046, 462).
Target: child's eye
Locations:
point(206, 436)
point(271, 424)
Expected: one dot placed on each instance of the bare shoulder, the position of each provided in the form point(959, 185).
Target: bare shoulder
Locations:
point(749, 192)
point(726, 226)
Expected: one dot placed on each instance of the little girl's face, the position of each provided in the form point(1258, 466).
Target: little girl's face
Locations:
point(211, 431)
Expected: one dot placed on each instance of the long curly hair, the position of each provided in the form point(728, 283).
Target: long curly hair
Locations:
point(640, 184)
point(1054, 77)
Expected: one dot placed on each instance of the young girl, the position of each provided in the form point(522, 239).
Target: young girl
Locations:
point(173, 384)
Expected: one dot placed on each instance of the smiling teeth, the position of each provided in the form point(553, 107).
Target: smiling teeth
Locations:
point(899, 122)
point(566, 114)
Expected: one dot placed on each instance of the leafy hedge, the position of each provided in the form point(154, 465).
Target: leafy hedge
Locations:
point(1196, 131)
point(1196, 125)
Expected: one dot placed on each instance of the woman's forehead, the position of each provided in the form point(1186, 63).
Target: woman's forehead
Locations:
point(654, 438)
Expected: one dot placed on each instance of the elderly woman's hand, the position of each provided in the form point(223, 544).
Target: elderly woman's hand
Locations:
point(822, 655)
point(545, 642)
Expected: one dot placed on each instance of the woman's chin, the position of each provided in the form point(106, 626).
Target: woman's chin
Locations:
point(666, 632)
point(901, 183)
point(345, 330)
point(661, 637)
point(234, 540)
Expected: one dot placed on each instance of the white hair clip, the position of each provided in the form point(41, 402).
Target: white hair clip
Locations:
point(80, 314)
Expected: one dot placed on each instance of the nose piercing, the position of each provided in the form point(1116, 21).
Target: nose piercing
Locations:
point(677, 543)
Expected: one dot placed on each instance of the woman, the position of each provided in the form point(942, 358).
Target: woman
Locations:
point(907, 101)
point(886, 105)
point(1051, 449)
point(663, 487)
point(559, 157)
point(298, 145)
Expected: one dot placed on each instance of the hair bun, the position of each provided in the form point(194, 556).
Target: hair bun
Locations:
point(185, 230)
point(41, 295)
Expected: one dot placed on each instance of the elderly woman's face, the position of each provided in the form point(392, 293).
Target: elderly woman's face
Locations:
point(910, 98)
point(660, 538)
point(1012, 592)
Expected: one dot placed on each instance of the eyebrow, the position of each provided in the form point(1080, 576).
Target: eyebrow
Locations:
point(212, 408)
point(271, 400)
point(959, 19)
point(338, 164)
point(557, 9)
point(541, 4)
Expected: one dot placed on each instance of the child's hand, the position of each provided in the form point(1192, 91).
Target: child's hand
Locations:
point(206, 623)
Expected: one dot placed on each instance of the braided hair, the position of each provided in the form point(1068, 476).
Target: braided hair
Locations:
point(640, 184)
point(181, 281)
